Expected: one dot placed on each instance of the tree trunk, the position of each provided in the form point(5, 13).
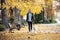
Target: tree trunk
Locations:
point(17, 16)
point(49, 10)
point(4, 15)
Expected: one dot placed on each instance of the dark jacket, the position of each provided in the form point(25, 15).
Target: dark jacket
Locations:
point(28, 17)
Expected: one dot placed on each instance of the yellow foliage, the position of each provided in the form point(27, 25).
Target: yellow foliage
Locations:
point(49, 2)
point(24, 6)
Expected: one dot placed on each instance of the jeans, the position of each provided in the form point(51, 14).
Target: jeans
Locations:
point(30, 26)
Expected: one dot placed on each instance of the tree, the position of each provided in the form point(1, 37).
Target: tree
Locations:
point(4, 18)
point(17, 16)
point(4, 15)
point(49, 9)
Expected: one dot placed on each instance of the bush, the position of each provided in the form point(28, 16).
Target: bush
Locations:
point(2, 27)
point(53, 21)
point(38, 18)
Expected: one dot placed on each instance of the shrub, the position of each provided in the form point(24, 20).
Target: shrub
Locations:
point(2, 27)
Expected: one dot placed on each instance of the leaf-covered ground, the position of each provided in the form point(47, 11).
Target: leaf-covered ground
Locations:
point(25, 36)
point(21, 35)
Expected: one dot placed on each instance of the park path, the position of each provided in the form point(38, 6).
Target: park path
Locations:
point(23, 34)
